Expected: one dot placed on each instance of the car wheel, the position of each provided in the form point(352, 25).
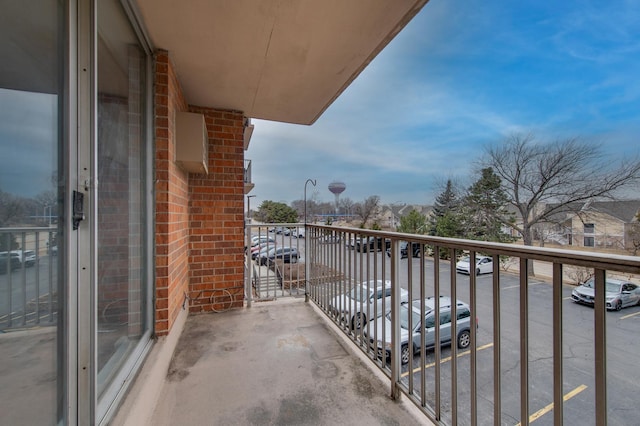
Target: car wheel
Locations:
point(404, 354)
point(619, 305)
point(464, 339)
point(478, 271)
point(358, 321)
point(294, 260)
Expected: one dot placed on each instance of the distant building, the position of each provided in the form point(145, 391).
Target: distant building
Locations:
point(602, 224)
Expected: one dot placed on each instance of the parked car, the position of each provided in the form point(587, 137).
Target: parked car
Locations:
point(363, 301)
point(484, 265)
point(261, 249)
point(9, 262)
point(29, 258)
point(619, 294)
point(260, 240)
point(257, 238)
point(371, 243)
point(285, 254)
point(416, 250)
point(463, 327)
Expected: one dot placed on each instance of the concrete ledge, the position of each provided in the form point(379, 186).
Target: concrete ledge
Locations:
point(347, 343)
point(141, 400)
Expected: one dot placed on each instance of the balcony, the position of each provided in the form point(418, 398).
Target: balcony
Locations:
point(533, 355)
point(248, 185)
point(30, 277)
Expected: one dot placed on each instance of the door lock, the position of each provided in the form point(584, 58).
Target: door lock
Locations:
point(78, 209)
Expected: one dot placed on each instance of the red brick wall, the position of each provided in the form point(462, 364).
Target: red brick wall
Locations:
point(217, 216)
point(172, 200)
point(199, 218)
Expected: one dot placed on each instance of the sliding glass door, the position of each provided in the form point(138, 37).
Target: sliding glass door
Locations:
point(33, 350)
point(75, 208)
point(123, 213)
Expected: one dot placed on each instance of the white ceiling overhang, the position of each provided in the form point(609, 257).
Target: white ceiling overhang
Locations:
point(281, 60)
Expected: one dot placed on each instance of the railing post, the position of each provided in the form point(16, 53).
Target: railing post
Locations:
point(249, 263)
point(600, 346)
point(395, 319)
point(558, 408)
point(524, 341)
point(306, 262)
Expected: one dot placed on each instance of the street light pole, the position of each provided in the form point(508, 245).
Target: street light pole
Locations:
point(306, 243)
point(248, 261)
point(313, 182)
point(249, 197)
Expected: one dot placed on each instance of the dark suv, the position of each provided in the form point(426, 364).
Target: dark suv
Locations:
point(371, 243)
point(463, 327)
point(416, 250)
point(9, 262)
point(285, 254)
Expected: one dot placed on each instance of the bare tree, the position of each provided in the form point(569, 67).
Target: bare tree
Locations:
point(543, 180)
point(346, 206)
point(367, 209)
point(634, 235)
point(11, 208)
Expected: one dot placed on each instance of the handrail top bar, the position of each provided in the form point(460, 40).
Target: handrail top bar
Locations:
point(616, 262)
point(29, 229)
point(622, 263)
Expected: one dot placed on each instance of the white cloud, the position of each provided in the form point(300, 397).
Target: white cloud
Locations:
point(455, 79)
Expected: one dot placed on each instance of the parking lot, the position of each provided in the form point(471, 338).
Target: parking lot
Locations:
point(623, 345)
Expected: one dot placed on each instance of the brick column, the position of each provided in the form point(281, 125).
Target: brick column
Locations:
point(216, 213)
point(172, 199)
point(199, 234)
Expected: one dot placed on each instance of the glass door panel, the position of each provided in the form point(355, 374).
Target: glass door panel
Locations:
point(121, 211)
point(32, 350)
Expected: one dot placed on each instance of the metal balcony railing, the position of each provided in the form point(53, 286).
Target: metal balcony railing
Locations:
point(28, 277)
point(247, 171)
point(520, 349)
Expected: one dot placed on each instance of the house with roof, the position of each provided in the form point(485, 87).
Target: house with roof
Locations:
point(390, 214)
point(602, 224)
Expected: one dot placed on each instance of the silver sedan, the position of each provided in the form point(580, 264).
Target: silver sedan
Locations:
point(619, 294)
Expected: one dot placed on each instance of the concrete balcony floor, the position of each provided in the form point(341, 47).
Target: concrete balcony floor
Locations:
point(276, 363)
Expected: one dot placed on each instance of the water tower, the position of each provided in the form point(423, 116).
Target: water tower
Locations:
point(336, 189)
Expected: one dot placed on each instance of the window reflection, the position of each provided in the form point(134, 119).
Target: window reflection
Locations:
point(121, 206)
point(31, 385)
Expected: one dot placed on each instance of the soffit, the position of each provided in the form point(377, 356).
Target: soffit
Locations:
point(281, 60)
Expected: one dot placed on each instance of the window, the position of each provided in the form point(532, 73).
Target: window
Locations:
point(464, 313)
point(430, 322)
point(589, 241)
point(589, 228)
point(445, 318)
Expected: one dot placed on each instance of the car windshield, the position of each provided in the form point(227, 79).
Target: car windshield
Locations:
point(404, 317)
point(611, 287)
point(359, 293)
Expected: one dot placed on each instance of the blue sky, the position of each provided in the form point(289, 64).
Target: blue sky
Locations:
point(461, 75)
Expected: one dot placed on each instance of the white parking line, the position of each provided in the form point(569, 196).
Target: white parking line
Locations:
point(518, 285)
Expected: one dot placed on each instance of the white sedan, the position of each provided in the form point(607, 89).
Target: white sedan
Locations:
point(484, 265)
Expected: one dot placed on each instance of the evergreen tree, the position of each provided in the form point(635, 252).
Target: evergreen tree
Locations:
point(446, 203)
point(484, 209)
point(274, 212)
point(413, 223)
